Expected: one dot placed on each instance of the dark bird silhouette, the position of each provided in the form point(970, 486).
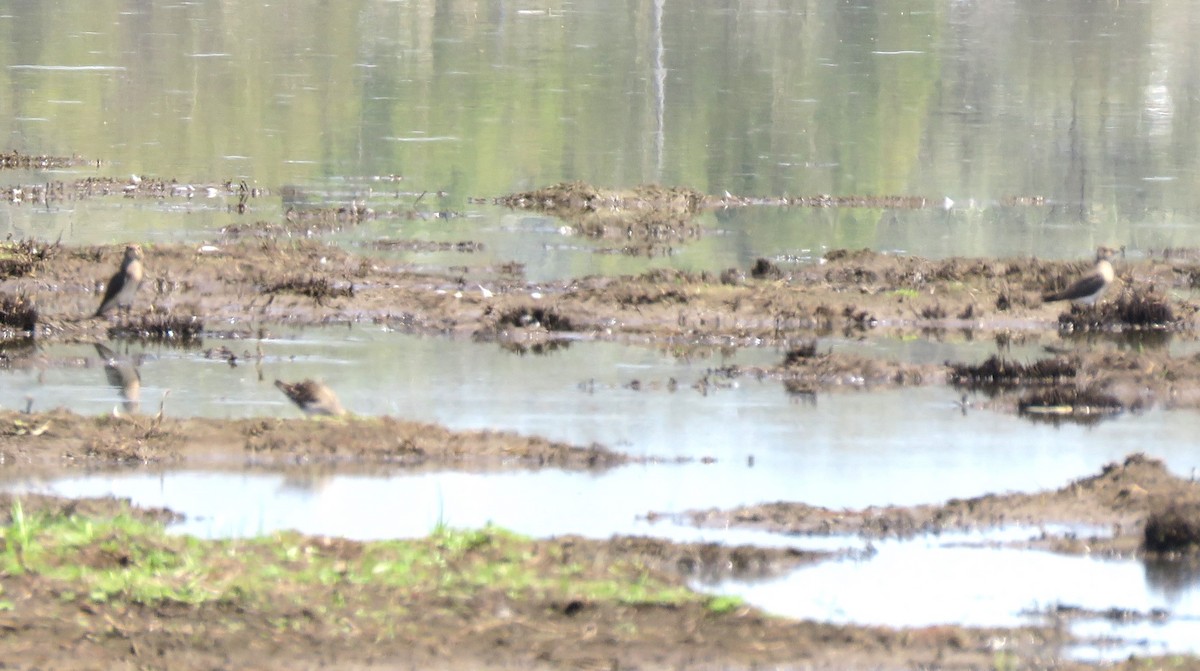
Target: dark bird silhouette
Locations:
point(313, 397)
point(1089, 288)
point(124, 284)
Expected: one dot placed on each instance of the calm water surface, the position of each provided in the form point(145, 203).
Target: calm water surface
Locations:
point(1050, 129)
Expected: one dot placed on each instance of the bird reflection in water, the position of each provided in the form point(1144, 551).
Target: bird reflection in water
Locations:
point(122, 373)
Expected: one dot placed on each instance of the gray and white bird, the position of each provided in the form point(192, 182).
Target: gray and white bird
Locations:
point(124, 284)
point(1088, 289)
point(312, 397)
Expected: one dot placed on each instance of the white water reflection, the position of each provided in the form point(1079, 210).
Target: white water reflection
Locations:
point(928, 582)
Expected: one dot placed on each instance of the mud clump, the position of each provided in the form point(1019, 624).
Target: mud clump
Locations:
point(764, 269)
point(18, 312)
point(1120, 496)
point(1173, 529)
point(320, 289)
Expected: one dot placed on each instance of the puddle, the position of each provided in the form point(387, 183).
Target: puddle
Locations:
point(933, 581)
point(544, 503)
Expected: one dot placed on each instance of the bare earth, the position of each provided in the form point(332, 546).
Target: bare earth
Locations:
point(243, 285)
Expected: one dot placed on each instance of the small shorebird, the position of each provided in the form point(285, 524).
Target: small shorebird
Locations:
point(313, 397)
point(124, 284)
point(1089, 288)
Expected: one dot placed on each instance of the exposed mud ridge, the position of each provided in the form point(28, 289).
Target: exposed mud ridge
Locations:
point(15, 160)
point(58, 439)
point(1121, 498)
point(152, 188)
point(850, 291)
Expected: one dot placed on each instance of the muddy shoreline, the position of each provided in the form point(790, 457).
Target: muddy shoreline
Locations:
point(225, 295)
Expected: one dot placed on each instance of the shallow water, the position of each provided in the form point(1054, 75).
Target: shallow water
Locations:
point(936, 581)
point(918, 446)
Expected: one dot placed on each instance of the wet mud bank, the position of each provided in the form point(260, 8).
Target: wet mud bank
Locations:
point(1139, 507)
point(307, 282)
point(53, 441)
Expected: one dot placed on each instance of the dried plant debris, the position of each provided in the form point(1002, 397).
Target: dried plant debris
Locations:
point(161, 327)
point(997, 371)
point(15, 160)
point(1066, 403)
point(18, 312)
point(1135, 308)
point(1173, 528)
point(20, 258)
point(319, 289)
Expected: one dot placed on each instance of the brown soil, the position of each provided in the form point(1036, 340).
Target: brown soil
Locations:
point(50, 442)
point(1119, 500)
point(265, 281)
point(247, 284)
